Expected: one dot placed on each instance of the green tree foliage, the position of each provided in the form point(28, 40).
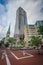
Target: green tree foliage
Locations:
point(7, 44)
point(1, 42)
point(35, 41)
point(40, 30)
point(12, 40)
point(22, 42)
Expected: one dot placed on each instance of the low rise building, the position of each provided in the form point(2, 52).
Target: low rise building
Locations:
point(29, 30)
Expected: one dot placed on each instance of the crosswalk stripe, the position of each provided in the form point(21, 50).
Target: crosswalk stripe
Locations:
point(7, 60)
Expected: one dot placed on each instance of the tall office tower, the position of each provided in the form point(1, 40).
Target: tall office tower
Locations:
point(21, 20)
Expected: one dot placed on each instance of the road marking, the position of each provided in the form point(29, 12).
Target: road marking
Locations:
point(14, 55)
point(7, 59)
point(21, 57)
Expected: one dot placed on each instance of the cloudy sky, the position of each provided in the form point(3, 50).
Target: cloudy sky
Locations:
point(33, 8)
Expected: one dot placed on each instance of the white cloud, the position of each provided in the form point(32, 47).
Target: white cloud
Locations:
point(0, 29)
point(32, 8)
point(3, 31)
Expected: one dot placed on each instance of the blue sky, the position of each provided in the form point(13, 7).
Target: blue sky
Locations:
point(33, 8)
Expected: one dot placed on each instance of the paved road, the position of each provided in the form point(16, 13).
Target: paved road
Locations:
point(11, 59)
point(2, 61)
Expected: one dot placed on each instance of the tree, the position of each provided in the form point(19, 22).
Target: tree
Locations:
point(40, 30)
point(7, 44)
point(22, 42)
point(2, 42)
point(11, 41)
point(36, 41)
